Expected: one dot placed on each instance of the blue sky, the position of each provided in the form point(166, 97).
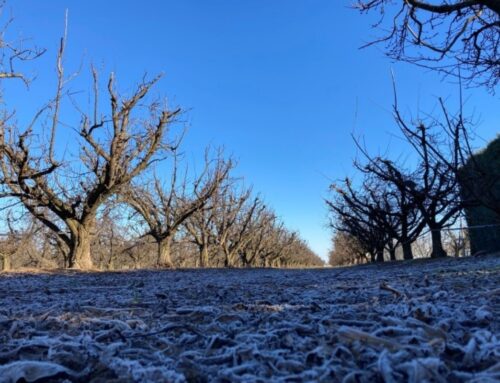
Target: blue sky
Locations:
point(280, 84)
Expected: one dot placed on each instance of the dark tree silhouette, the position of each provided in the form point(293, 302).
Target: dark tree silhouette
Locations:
point(442, 35)
point(357, 213)
point(433, 187)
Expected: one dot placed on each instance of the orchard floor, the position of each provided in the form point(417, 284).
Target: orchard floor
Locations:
point(434, 321)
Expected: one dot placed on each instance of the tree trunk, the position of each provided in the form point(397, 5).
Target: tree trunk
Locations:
point(203, 255)
point(5, 262)
point(437, 246)
point(64, 249)
point(407, 251)
point(245, 260)
point(228, 257)
point(380, 255)
point(79, 256)
point(164, 259)
point(392, 253)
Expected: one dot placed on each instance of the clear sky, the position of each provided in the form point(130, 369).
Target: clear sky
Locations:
point(281, 84)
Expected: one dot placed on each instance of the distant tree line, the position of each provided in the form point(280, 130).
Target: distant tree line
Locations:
point(249, 234)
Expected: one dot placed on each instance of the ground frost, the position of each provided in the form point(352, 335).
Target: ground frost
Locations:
point(434, 321)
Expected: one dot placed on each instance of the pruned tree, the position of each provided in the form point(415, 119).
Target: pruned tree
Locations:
point(270, 241)
point(23, 243)
point(431, 189)
point(399, 213)
point(442, 35)
point(165, 209)
point(111, 237)
point(357, 213)
point(456, 242)
point(236, 217)
point(260, 246)
point(346, 250)
point(114, 148)
point(437, 195)
point(283, 248)
point(238, 230)
point(298, 254)
point(200, 228)
point(69, 193)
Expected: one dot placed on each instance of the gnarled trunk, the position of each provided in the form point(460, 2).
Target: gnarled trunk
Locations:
point(228, 257)
point(392, 253)
point(437, 245)
point(5, 264)
point(380, 255)
point(407, 251)
point(164, 259)
point(79, 256)
point(204, 262)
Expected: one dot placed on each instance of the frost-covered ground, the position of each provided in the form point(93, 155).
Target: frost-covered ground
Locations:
point(432, 321)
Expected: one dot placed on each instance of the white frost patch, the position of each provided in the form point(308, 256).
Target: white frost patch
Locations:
point(30, 371)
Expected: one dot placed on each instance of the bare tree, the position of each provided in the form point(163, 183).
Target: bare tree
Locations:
point(284, 247)
point(438, 194)
point(67, 192)
point(200, 228)
point(24, 243)
point(346, 250)
point(110, 239)
point(298, 254)
point(263, 244)
point(261, 227)
point(396, 209)
point(463, 33)
point(240, 230)
point(433, 190)
point(433, 187)
point(113, 150)
point(165, 209)
point(357, 213)
point(234, 219)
